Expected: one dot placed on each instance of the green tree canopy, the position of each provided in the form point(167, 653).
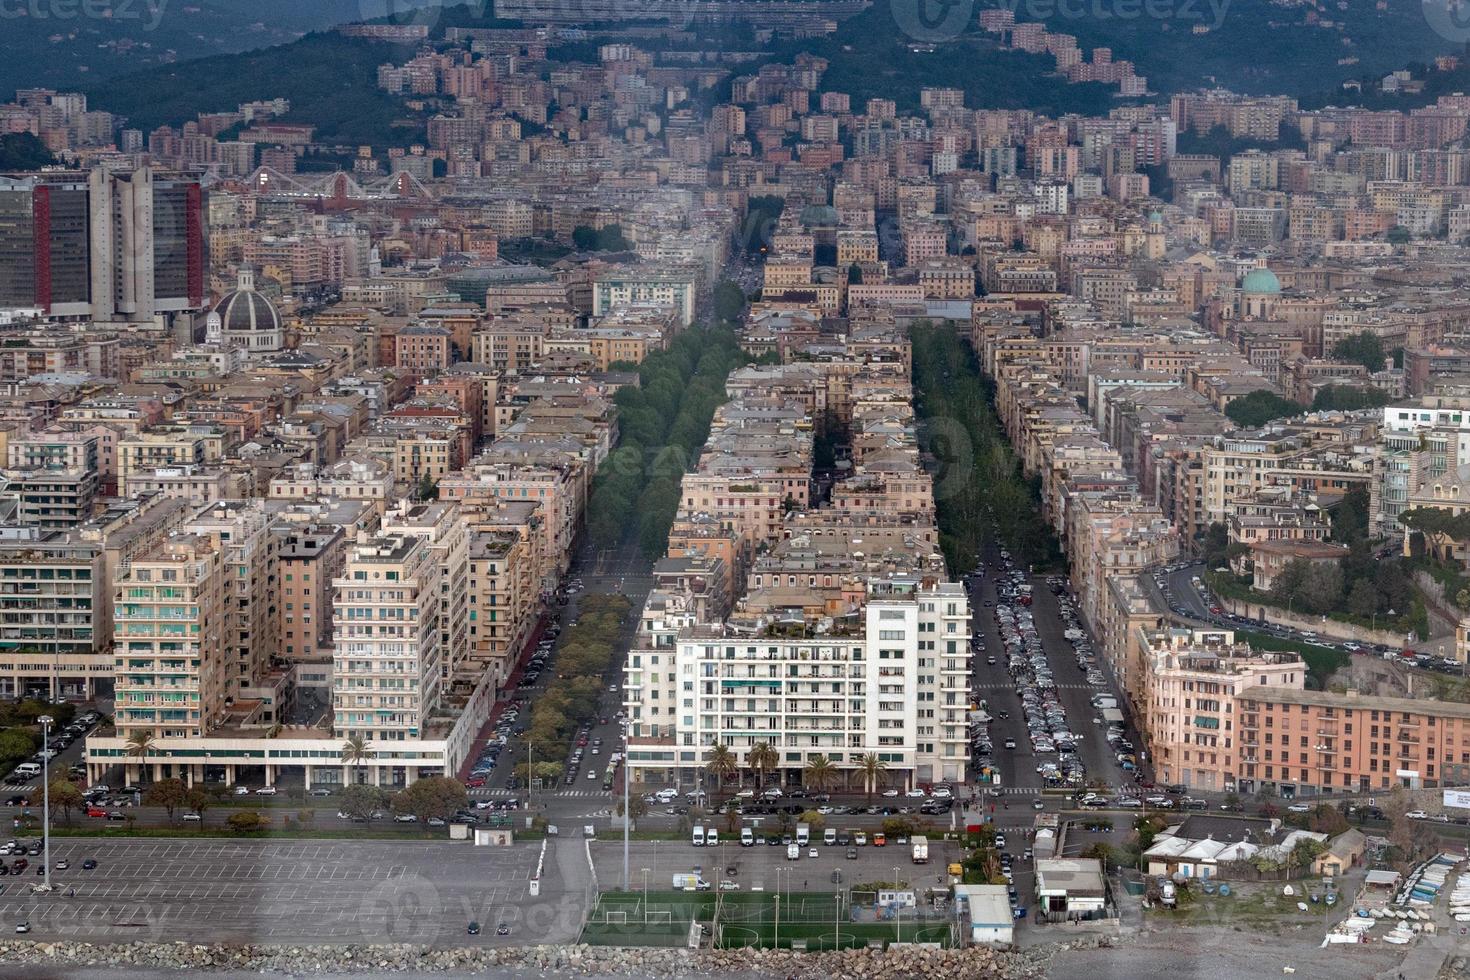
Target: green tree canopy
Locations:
point(729, 301)
point(1259, 407)
point(1349, 398)
point(433, 796)
point(168, 794)
point(66, 797)
point(362, 801)
point(1365, 348)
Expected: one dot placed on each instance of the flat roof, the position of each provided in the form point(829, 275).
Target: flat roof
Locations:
point(990, 907)
point(1069, 876)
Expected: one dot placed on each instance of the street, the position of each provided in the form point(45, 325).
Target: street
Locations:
point(622, 571)
point(995, 684)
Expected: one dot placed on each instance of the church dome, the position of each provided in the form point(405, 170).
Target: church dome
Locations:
point(245, 318)
point(1261, 281)
point(243, 310)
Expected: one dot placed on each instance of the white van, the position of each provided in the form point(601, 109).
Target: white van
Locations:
point(747, 837)
point(698, 840)
point(690, 883)
point(829, 837)
point(28, 769)
point(793, 853)
point(711, 837)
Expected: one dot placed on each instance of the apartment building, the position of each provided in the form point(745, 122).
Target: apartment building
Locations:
point(1320, 743)
point(502, 600)
point(673, 287)
point(892, 681)
point(442, 525)
point(386, 661)
point(166, 447)
point(171, 672)
point(310, 557)
point(51, 615)
point(1191, 719)
point(252, 569)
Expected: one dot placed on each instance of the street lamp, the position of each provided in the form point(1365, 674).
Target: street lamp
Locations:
point(46, 721)
point(776, 941)
point(897, 909)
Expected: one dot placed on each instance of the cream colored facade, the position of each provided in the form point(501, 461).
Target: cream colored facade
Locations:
point(386, 671)
point(170, 621)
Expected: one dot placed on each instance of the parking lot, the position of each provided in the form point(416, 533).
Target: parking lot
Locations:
point(758, 866)
point(292, 891)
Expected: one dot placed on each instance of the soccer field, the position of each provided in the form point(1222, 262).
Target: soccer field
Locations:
point(817, 920)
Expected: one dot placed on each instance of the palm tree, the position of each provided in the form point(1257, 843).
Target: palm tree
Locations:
point(874, 771)
point(355, 751)
point(140, 743)
point(720, 763)
point(819, 774)
point(763, 759)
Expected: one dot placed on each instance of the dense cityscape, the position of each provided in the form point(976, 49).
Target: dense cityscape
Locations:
point(664, 491)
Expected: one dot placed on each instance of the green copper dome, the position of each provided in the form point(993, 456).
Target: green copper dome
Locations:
point(1261, 281)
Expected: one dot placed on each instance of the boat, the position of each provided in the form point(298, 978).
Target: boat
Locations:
point(1301, 906)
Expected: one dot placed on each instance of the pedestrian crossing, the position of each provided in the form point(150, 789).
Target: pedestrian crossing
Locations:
point(1061, 687)
point(485, 791)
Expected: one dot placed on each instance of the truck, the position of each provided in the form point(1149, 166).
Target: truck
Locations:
point(803, 834)
point(698, 840)
point(1102, 701)
point(921, 849)
point(1112, 716)
point(690, 883)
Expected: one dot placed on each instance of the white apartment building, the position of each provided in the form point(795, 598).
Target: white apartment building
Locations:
point(386, 667)
point(170, 634)
point(449, 538)
point(893, 682)
point(251, 590)
point(675, 288)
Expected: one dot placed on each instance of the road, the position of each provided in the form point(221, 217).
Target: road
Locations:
point(995, 684)
point(624, 571)
point(1174, 589)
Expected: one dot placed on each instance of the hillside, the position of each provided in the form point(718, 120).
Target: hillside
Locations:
point(62, 50)
point(1258, 46)
point(330, 80)
point(1285, 47)
point(870, 58)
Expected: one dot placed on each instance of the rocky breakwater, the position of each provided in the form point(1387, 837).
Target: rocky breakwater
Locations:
point(897, 962)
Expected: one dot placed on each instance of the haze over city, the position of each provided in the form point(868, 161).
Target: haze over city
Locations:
point(748, 488)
